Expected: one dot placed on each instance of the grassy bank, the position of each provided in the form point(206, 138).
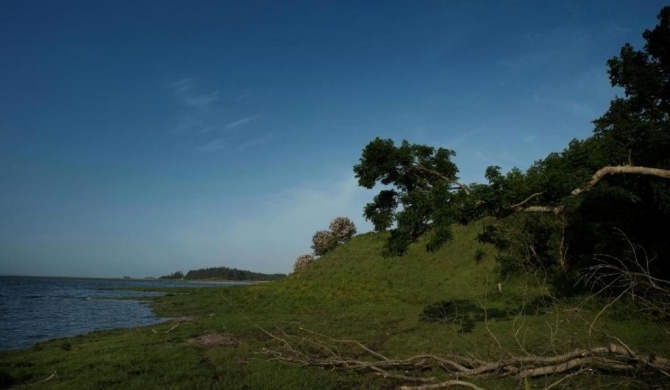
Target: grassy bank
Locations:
point(441, 303)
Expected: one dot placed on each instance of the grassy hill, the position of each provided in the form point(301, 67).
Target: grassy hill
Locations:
point(444, 303)
point(358, 269)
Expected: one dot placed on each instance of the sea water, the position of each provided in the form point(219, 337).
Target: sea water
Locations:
point(38, 309)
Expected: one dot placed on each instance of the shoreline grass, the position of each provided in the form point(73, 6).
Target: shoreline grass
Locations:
point(218, 337)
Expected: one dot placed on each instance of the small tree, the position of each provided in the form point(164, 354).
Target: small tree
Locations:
point(302, 261)
point(343, 229)
point(323, 242)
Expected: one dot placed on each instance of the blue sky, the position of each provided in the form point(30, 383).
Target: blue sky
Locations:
point(142, 138)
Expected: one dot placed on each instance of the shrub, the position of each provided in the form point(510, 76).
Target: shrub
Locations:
point(343, 229)
point(302, 261)
point(323, 242)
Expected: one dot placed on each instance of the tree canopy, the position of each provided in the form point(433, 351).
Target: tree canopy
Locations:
point(564, 209)
point(420, 184)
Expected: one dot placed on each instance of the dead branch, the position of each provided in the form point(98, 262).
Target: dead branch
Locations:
point(47, 379)
point(632, 276)
point(518, 205)
point(314, 349)
point(463, 187)
point(566, 377)
point(602, 172)
point(173, 328)
point(442, 385)
point(541, 209)
point(622, 169)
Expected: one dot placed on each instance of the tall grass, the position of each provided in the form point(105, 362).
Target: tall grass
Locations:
point(441, 302)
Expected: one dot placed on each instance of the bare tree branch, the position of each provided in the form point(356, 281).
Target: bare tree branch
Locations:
point(610, 170)
point(306, 351)
point(463, 187)
point(518, 205)
point(541, 209)
point(633, 276)
point(442, 385)
point(566, 377)
point(623, 169)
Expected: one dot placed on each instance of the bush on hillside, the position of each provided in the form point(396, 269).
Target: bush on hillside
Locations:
point(302, 261)
point(323, 242)
point(343, 229)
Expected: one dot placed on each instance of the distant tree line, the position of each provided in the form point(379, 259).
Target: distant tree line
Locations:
point(223, 273)
point(174, 275)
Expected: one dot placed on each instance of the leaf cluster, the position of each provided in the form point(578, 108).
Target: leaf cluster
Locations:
point(342, 229)
point(549, 218)
point(418, 181)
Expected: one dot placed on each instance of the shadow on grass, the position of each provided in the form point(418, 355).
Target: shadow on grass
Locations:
point(460, 312)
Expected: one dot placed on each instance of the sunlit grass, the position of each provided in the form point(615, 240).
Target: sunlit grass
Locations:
point(388, 304)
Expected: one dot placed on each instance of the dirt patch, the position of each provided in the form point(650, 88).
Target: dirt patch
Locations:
point(210, 340)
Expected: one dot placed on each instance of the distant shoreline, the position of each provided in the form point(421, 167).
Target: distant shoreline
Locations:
point(148, 279)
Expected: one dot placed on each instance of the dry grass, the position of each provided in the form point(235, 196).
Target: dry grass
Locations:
point(210, 340)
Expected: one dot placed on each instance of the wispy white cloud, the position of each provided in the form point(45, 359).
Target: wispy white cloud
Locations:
point(182, 86)
point(206, 120)
point(214, 145)
point(262, 140)
point(188, 94)
point(240, 122)
point(232, 144)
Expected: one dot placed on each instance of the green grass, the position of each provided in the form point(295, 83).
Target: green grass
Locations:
point(392, 305)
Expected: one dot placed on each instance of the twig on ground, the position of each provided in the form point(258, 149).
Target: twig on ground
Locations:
point(442, 385)
point(47, 379)
point(173, 328)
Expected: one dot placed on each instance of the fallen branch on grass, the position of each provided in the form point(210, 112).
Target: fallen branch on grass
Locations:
point(313, 349)
point(47, 379)
point(173, 328)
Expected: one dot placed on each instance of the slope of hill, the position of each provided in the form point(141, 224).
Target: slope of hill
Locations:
point(358, 270)
point(445, 303)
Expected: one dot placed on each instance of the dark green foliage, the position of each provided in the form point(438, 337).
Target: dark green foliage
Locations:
point(423, 180)
point(6, 380)
point(174, 275)
point(230, 274)
point(635, 130)
point(636, 125)
point(460, 312)
point(352, 293)
point(479, 255)
point(552, 219)
point(527, 242)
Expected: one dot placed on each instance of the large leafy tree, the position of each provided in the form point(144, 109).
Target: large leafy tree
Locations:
point(420, 189)
point(564, 209)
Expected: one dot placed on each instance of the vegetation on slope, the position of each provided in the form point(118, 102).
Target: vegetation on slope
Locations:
point(356, 319)
point(227, 337)
point(567, 212)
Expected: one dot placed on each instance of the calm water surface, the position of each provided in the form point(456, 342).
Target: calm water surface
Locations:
point(38, 309)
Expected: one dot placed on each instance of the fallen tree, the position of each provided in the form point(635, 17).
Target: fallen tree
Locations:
point(314, 349)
